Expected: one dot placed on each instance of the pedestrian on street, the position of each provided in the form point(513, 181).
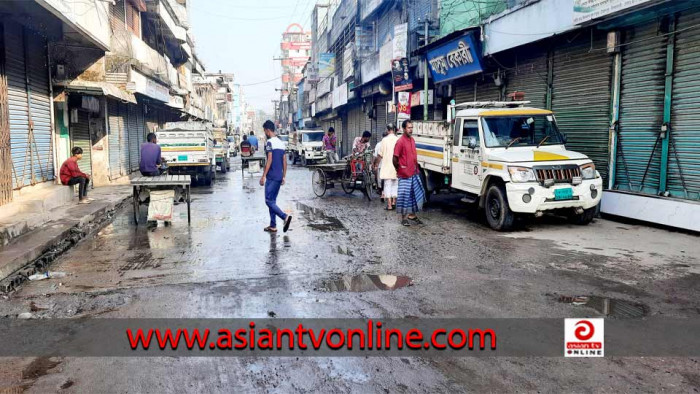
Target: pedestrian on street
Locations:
point(361, 143)
point(253, 140)
point(273, 177)
point(387, 172)
point(377, 164)
point(410, 194)
point(329, 144)
point(150, 156)
point(70, 175)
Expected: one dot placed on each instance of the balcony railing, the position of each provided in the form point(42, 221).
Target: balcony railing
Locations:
point(150, 61)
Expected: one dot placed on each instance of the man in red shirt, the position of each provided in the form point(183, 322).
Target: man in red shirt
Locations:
point(411, 194)
point(71, 175)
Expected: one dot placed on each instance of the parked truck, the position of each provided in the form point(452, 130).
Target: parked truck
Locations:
point(221, 150)
point(306, 146)
point(188, 149)
point(509, 159)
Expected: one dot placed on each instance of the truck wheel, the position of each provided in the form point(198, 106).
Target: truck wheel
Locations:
point(208, 178)
point(498, 213)
point(584, 218)
point(304, 162)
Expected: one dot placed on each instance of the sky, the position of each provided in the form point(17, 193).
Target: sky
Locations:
point(243, 37)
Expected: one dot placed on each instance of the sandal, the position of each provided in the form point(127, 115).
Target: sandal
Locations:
point(287, 222)
point(270, 229)
point(405, 223)
point(416, 220)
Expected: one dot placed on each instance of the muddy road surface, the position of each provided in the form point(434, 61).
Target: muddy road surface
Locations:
point(335, 262)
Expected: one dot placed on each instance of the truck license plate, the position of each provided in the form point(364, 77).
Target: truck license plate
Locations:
point(564, 194)
point(182, 158)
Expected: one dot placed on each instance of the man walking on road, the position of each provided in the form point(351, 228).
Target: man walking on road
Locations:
point(410, 194)
point(273, 177)
point(387, 172)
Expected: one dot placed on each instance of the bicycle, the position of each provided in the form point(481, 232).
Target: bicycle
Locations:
point(359, 169)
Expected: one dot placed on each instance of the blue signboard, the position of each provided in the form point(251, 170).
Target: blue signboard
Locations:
point(454, 59)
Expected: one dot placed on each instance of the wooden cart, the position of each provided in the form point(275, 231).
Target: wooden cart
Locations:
point(160, 182)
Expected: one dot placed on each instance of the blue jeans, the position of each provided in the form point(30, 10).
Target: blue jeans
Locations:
point(272, 189)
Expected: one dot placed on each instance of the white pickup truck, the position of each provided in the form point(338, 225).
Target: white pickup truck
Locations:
point(188, 149)
point(508, 158)
point(306, 146)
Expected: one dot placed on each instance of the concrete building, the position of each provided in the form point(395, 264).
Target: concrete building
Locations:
point(296, 51)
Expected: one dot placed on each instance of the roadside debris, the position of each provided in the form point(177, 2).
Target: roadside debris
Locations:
point(48, 275)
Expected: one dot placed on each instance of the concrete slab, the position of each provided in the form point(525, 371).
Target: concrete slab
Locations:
point(64, 220)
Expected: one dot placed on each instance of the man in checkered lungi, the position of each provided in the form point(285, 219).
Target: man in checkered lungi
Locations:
point(411, 194)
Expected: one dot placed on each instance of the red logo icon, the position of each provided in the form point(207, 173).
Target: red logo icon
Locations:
point(584, 330)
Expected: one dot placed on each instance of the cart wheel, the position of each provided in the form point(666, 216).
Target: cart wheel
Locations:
point(318, 180)
point(367, 183)
point(348, 182)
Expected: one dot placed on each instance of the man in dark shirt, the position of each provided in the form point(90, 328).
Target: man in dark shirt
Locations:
point(150, 156)
point(275, 172)
point(70, 175)
point(246, 147)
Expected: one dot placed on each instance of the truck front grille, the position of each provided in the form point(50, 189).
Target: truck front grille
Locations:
point(560, 174)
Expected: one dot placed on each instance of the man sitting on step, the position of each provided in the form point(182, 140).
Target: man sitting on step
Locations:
point(70, 175)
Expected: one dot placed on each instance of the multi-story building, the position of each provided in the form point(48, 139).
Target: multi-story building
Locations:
point(296, 51)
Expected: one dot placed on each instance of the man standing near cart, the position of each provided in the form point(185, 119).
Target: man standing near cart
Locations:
point(410, 194)
point(273, 177)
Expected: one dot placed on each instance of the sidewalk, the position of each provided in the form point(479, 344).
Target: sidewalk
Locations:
point(37, 236)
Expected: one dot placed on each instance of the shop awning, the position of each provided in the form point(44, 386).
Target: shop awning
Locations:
point(98, 88)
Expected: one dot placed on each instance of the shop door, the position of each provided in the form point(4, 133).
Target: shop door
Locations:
point(638, 160)
point(135, 137)
point(29, 106)
point(684, 143)
point(581, 98)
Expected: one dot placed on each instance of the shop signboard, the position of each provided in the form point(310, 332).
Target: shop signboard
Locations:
point(404, 107)
point(400, 72)
point(587, 10)
point(326, 64)
point(454, 59)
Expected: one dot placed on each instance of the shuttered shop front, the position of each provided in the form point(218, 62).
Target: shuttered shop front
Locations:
point(117, 124)
point(529, 74)
point(684, 149)
point(135, 131)
point(638, 160)
point(29, 105)
point(80, 137)
point(581, 97)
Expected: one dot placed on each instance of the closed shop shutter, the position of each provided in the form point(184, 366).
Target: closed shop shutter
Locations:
point(28, 103)
point(135, 138)
point(486, 89)
point(381, 121)
point(352, 124)
point(116, 124)
point(581, 98)
point(464, 90)
point(684, 150)
point(80, 137)
point(641, 110)
point(529, 74)
point(124, 139)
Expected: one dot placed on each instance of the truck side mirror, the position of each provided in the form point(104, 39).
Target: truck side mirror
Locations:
point(564, 138)
point(472, 143)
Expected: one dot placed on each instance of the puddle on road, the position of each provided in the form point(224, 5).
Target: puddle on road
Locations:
point(609, 306)
point(318, 220)
point(364, 283)
point(39, 367)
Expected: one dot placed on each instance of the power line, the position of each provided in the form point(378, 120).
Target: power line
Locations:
point(259, 83)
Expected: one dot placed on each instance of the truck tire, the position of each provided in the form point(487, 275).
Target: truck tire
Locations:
point(585, 218)
point(208, 178)
point(304, 162)
point(498, 213)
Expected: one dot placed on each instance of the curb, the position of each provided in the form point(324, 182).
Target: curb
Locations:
point(58, 237)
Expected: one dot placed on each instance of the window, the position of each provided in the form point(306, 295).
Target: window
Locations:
point(133, 19)
point(470, 130)
point(526, 130)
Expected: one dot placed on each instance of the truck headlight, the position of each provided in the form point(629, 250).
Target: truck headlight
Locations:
point(521, 174)
point(588, 171)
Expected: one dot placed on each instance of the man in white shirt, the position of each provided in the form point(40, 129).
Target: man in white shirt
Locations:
point(387, 172)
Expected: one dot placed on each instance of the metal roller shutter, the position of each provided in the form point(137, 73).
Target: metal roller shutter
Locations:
point(581, 98)
point(135, 138)
point(28, 103)
point(353, 124)
point(529, 75)
point(641, 110)
point(381, 121)
point(124, 139)
point(5, 151)
point(115, 125)
point(464, 90)
point(684, 149)
point(39, 107)
point(80, 137)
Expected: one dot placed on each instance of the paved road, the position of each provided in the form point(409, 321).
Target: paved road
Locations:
point(224, 265)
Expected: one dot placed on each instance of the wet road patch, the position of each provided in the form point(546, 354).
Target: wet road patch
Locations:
point(609, 306)
point(318, 220)
point(364, 283)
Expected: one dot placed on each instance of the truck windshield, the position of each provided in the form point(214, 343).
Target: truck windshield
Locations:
point(284, 138)
point(312, 137)
point(523, 130)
